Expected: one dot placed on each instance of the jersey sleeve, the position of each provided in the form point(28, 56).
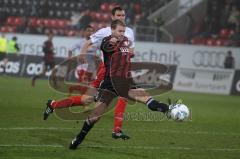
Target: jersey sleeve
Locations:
point(97, 37)
point(131, 38)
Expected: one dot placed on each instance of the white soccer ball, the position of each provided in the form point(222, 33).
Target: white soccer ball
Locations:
point(179, 112)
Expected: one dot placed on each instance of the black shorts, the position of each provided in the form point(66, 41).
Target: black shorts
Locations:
point(113, 87)
point(3, 55)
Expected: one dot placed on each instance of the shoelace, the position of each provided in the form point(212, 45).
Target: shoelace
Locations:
point(49, 110)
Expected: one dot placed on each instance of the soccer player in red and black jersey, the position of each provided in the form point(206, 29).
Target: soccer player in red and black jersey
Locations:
point(48, 58)
point(87, 98)
point(117, 81)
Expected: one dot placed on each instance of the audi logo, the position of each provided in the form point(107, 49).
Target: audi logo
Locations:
point(238, 86)
point(211, 59)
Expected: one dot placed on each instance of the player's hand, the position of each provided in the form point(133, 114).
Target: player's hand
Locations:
point(131, 55)
point(131, 52)
point(113, 40)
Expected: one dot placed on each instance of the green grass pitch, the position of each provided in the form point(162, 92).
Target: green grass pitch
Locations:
point(213, 132)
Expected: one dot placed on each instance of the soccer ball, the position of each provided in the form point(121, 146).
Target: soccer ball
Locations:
point(179, 112)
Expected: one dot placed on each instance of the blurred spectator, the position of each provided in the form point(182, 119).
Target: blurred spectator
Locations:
point(22, 27)
point(190, 25)
point(13, 47)
point(235, 38)
point(40, 29)
point(130, 13)
point(158, 21)
point(229, 61)
point(207, 27)
point(214, 26)
point(3, 44)
point(225, 15)
point(234, 18)
point(3, 51)
point(30, 29)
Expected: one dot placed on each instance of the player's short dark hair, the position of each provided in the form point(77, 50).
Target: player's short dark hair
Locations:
point(117, 22)
point(88, 26)
point(14, 38)
point(50, 33)
point(117, 8)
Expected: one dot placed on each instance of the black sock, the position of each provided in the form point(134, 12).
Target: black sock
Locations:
point(85, 129)
point(156, 106)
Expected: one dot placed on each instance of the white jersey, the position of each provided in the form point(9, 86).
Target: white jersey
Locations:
point(90, 65)
point(77, 48)
point(97, 37)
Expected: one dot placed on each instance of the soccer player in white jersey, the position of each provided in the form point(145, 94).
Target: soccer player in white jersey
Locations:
point(84, 72)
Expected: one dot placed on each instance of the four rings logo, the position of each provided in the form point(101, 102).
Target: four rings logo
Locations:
point(238, 86)
point(204, 58)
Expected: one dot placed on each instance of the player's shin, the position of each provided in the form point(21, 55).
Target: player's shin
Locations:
point(157, 106)
point(119, 114)
point(87, 126)
point(85, 129)
point(142, 96)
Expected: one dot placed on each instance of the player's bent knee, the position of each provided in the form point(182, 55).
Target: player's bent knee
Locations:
point(86, 100)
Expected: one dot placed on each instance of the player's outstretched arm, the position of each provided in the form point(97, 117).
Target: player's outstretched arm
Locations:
point(86, 46)
point(84, 50)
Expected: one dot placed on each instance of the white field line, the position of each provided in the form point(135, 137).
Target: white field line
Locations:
point(161, 148)
point(36, 128)
point(124, 147)
point(30, 145)
point(98, 129)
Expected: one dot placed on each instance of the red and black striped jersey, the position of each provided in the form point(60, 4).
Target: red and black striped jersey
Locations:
point(116, 57)
point(48, 51)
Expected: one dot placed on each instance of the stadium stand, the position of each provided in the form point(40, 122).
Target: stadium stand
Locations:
point(221, 25)
point(65, 18)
